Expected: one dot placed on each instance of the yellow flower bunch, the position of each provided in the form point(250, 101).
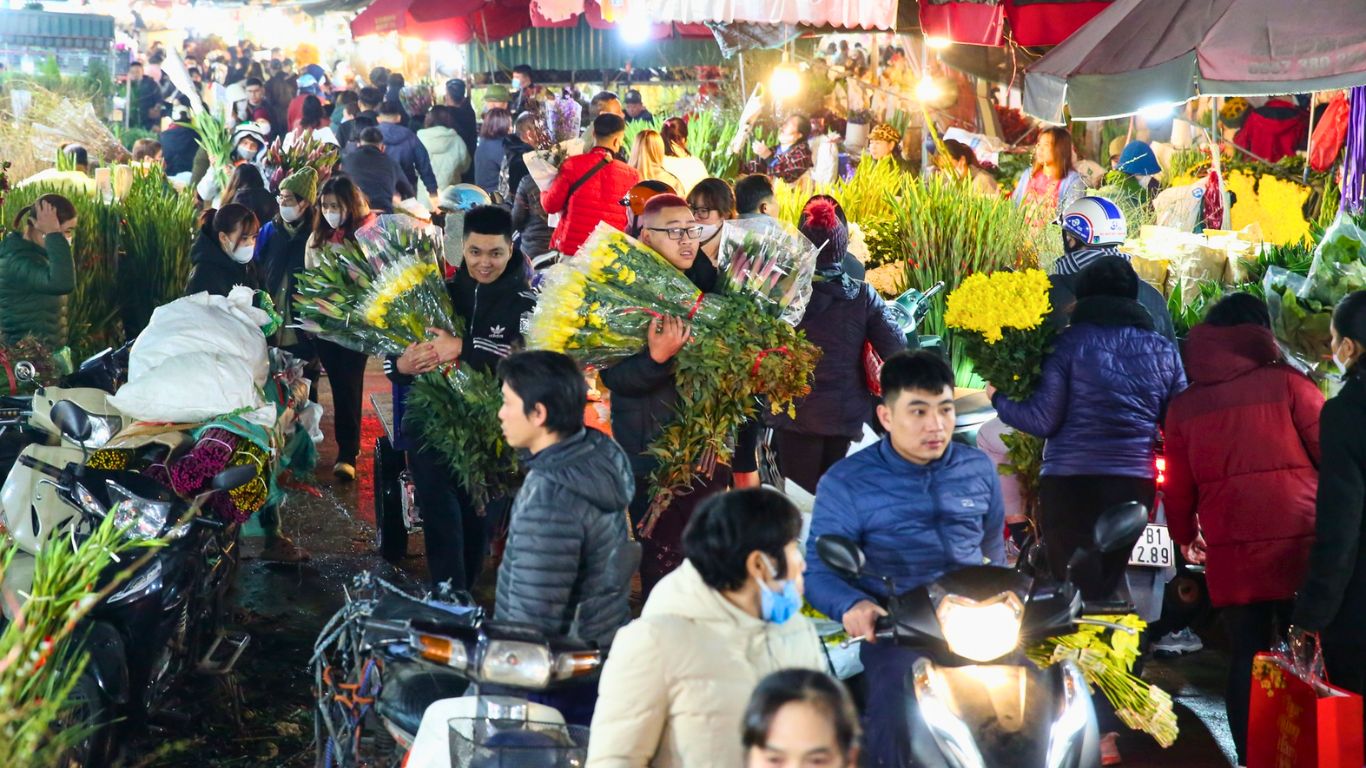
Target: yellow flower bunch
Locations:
point(392, 284)
point(989, 304)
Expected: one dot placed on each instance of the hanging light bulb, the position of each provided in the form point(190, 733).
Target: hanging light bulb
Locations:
point(785, 82)
point(937, 43)
point(927, 90)
point(636, 27)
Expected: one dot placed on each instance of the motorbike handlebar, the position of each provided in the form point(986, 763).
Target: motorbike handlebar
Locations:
point(42, 466)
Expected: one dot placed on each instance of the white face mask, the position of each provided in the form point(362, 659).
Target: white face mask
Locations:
point(708, 231)
point(289, 213)
point(245, 153)
point(333, 218)
point(242, 253)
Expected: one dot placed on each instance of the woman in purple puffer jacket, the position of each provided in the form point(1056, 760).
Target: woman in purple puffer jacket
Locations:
point(1102, 396)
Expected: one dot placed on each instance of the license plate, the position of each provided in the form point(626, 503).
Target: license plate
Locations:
point(1154, 548)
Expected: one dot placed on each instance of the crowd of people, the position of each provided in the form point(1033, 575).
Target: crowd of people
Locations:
point(1261, 488)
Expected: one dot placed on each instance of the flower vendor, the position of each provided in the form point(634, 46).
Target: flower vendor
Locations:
point(491, 295)
point(37, 272)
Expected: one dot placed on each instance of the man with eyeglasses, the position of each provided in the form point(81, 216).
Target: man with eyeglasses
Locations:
point(644, 393)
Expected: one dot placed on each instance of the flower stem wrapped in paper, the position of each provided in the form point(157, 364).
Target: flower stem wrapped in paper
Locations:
point(769, 261)
point(1002, 320)
point(598, 307)
point(380, 294)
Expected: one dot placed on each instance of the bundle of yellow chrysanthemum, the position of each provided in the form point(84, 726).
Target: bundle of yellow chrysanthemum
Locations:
point(1001, 319)
point(597, 307)
point(1106, 657)
point(378, 296)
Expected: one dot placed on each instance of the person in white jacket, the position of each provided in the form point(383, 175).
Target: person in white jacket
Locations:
point(450, 157)
point(676, 682)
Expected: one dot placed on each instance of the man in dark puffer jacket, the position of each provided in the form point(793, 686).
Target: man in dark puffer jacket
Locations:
point(37, 272)
point(569, 558)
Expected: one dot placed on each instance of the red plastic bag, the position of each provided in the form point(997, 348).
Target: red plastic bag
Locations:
point(1294, 722)
point(1329, 135)
point(872, 369)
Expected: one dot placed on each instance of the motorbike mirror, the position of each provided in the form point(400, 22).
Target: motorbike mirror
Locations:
point(72, 420)
point(1119, 527)
point(842, 555)
point(233, 478)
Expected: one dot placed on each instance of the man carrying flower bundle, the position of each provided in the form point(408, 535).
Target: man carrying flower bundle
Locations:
point(491, 294)
point(589, 187)
point(919, 506)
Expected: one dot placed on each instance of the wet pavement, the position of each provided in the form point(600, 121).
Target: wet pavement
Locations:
point(285, 606)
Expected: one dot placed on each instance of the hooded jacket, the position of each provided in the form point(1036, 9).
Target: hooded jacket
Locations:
point(213, 270)
point(1103, 392)
point(1242, 450)
point(597, 199)
point(403, 146)
point(280, 256)
point(448, 155)
point(569, 559)
point(674, 689)
point(914, 522)
point(842, 315)
point(529, 218)
point(34, 283)
point(1333, 597)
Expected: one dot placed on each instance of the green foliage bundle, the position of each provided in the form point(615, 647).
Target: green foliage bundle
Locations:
point(456, 412)
point(159, 228)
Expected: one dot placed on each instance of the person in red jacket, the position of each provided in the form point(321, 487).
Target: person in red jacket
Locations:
point(1274, 130)
point(590, 186)
point(1242, 471)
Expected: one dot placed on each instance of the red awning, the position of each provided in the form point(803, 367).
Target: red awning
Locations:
point(457, 21)
point(983, 22)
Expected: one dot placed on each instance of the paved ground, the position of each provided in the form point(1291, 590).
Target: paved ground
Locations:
point(284, 607)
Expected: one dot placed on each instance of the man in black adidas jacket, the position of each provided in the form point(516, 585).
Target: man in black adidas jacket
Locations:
point(492, 295)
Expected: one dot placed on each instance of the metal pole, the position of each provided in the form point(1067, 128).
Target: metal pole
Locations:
point(1309, 143)
point(743, 87)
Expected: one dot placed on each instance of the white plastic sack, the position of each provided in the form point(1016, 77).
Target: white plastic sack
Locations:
point(1180, 207)
point(190, 388)
point(222, 325)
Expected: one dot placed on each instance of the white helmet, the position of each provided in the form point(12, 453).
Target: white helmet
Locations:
point(1094, 221)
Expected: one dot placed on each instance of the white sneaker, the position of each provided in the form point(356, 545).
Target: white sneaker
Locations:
point(1178, 643)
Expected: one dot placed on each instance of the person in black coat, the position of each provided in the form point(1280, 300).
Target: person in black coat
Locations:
point(179, 143)
point(525, 135)
point(1333, 599)
point(843, 315)
point(569, 560)
point(466, 122)
point(491, 293)
point(222, 253)
point(377, 175)
point(645, 398)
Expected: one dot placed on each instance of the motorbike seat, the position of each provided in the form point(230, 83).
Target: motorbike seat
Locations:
point(411, 686)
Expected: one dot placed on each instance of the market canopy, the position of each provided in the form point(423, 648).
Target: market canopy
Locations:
point(983, 22)
point(847, 14)
point(1144, 53)
point(458, 21)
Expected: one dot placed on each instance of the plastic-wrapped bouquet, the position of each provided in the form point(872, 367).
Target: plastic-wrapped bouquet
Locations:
point(305, 151)
point(416, 99)
point(563, 117)
point(558, 141)
point(769, 261)
point(597, 307)
point(378, 295)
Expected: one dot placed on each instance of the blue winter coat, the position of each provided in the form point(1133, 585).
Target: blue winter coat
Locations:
point(406, 149)
point(1103, 392)
point(915, 523)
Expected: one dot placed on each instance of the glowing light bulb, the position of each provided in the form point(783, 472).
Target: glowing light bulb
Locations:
point(937, 43)
point(785, 82)
point(927, 90)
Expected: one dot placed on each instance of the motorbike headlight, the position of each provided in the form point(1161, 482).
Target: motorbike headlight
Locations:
point(572, 664)
point(102, 429)
point(516, 663)
point(142, 518)
point(1075, 714)
point(981, 631)
point(934, 699)
point(143, 582)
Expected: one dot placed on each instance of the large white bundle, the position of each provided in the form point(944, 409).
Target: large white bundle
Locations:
point(200, 357)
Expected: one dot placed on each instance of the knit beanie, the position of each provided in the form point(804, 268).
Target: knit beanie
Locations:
point(822, 226)
point(303, 183)
point(1108, 276)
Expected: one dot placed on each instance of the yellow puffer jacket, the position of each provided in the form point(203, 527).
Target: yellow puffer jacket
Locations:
point(677, 680)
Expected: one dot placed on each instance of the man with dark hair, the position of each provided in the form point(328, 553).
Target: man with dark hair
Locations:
point(569, 560)
point(635, 108)
point(754, 197)
point(375, 172)
point(791, 159)
point(644, 393)
point(254, 106)
point(401, 144)
point(525, 92)
point(590, 186)
point(368, 100)
point(466, 122)
point(604, 103)
point(145, 95)
point(920, 506)
point(492, 295)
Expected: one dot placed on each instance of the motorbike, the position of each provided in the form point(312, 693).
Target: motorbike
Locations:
point(146, 635)
point(972, 698)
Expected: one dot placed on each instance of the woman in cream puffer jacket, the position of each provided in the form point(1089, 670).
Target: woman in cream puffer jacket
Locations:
point(676, 682)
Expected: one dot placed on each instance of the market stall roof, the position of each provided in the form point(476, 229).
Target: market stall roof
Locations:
point(848, 14)
point(1030, 22)
point(584, 48)
point(458, 21)
point(1143, 53)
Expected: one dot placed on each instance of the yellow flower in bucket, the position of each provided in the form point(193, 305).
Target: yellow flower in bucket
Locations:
point(1001, 320)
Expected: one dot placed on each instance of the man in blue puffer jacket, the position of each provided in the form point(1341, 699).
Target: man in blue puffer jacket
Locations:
point(920, 506)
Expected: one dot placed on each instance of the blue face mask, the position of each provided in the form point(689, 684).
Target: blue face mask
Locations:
point(778, 607)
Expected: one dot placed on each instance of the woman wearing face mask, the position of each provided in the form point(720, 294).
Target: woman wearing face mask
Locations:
point(344, 213)
point(37, 272)
point(791, 159)
point(1332, 601)
point(674, 688)
point(713, 203)
point(280, 251)
point(222, 254)
point(843, 315)
point(798, 718)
